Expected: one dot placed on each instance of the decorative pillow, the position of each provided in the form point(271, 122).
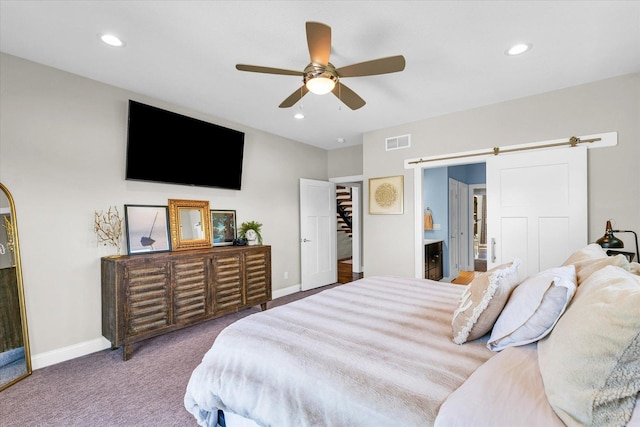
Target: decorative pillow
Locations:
point(592, 258)
point(590, 363)
point(483, 300)
point(533, 308)
point(592, 251)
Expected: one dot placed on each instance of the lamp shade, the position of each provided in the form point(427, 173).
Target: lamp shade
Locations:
point(321, 85)
point(609, 240)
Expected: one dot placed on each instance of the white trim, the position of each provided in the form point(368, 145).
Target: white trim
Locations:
point(608, 139)
point(418, 223)
point(344, 179)
point(63, 354)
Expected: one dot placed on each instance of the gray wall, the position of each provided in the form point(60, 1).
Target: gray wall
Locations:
point(62, 145)
point(345, 161)
point(603, 106)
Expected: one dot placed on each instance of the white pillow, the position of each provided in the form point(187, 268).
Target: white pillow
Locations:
point(482, 301)
point(533, 308)
point(590, 363)
point(506, 390)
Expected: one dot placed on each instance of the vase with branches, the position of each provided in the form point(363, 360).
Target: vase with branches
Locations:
point(108, 227)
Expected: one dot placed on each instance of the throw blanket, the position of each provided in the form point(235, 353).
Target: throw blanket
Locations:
point(374, 352)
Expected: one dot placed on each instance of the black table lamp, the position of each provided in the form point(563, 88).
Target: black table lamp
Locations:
point(611, 241)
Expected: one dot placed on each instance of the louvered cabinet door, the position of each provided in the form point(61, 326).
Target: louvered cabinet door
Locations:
point(190, 278)
point(226, 285)
point(147, 288)
point(257, 270)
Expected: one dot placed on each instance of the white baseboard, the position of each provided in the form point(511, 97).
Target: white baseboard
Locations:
point(286, 291)
point(49, 358)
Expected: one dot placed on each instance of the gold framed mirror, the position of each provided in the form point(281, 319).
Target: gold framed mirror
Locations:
point(190, 224)
point(15, 358)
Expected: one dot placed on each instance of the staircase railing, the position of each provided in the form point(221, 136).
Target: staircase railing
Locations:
point(344, 215)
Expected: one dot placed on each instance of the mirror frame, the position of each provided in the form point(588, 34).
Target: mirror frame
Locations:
point(176, 206)
point(19, 283)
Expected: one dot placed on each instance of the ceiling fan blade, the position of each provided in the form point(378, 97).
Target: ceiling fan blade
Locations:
point(267, 70)
point(349, 97)
point(391, 64)
point(294, 97)
point(319, 41)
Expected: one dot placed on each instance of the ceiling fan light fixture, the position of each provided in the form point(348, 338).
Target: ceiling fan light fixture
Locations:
point(321, 84)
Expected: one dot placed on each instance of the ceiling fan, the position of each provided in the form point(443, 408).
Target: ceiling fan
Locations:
point(321, 77)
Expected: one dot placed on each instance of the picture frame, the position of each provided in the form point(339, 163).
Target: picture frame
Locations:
point(190, 224)
point(386, 195)
point(223, 227)
point(147, 229)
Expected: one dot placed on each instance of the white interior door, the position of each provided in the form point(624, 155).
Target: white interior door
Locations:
point(319, 264)
point(536, 207)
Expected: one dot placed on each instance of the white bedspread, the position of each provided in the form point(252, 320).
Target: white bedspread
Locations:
point(375, 352)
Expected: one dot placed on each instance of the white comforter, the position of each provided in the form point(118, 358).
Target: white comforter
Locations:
point(375, 352)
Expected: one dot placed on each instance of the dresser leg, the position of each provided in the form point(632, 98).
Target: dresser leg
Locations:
point(263, 306)
point(127, 349)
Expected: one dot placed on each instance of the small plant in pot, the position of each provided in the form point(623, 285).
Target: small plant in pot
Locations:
point(251, 232)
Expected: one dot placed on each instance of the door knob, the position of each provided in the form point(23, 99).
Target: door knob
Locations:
point(305, 240)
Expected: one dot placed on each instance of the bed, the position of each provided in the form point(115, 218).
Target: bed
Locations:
point(394, 351)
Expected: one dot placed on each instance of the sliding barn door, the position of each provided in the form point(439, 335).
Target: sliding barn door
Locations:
point(536, 207)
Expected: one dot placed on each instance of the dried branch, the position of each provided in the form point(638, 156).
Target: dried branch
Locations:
point(108, 227)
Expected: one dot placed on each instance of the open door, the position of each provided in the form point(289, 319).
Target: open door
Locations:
point(319, 264)
point(536, 207)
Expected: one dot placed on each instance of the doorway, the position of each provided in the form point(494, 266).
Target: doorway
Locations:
point(354, 183)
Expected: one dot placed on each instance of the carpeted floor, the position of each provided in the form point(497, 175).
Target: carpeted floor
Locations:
point(101, 389)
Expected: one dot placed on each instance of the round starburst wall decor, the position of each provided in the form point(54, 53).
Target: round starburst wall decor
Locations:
point(386, 195)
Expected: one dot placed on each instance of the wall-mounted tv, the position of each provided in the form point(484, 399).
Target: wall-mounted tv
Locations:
point(167, 147)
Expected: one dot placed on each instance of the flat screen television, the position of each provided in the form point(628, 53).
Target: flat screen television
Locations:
point(167, 147)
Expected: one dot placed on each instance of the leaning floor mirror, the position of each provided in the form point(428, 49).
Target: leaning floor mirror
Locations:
point(15, 359)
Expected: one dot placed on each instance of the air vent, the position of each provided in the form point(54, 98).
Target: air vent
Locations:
point(397, 142)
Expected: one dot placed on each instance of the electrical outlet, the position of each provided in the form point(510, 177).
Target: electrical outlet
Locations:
point(436, 226)
point(286, 275)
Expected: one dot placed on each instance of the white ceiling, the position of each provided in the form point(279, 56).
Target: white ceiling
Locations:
point(184, 52)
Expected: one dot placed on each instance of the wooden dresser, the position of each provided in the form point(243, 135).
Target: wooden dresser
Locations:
point(148, 295)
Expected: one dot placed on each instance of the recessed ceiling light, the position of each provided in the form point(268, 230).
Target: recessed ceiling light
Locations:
point(341, 140)
point(299, 115)
point(518, 49)
point(111, 40)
